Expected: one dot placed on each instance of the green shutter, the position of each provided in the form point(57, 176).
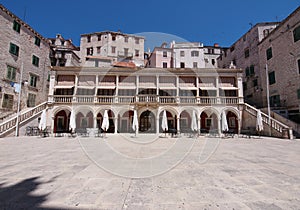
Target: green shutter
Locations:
point(17, 26)
point(252, 70)
point(14, 49)
point(269, 53)
point(272, 79)
point(298, 93)
point(247, 71)
point(296, 34)
point(37, 41)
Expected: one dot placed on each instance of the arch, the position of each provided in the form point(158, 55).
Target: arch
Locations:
point(172, 110)
point(171, 118)
point(84, 120)
point(209, 121)
point(61, 121)
point(232, 109)
point(111, 117)
point(125, 122)
point(232, 121)
point(147, 122)
point(60, 108)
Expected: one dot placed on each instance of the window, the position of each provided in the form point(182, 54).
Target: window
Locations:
point(8, 101)
point(88, 38)
point(37, 41)
point(232, 48)
point(35, 60)
point(113, 49)
point(165, 54)
point(255, 83)
point(11, 73)
point(182, 65)
point(99, 37)
point(272, 78)
point(247, 70)
point(137, 53)
point(296, 34)
point(17, 26)
point(252, 70)
point(298, 93)
point(195, 65)
point(113, 37)
point(89, 51)
point(126, 51)
point(299, 66)
point(33, 80)
point(165, 65)
point(14, 49)
point(244, 37)
point(247, 53)
point(99, 50)
point(213, 62)
point(31, 100)
point(137, 40)
point(275, 100)
point(211, 51)
point(195, 53)
point(126, 39)
point(181, 53)
point(244, 86)
point(269, 53)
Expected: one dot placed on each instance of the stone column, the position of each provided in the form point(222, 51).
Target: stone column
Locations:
point(178, 124)
point(116, 125)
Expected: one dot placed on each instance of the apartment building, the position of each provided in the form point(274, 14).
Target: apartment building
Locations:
point(24, 61)
point(244, 54)
point(280, 54)
point(104, 49)
point(184, 55)
point(269, 53)
point(63, 52)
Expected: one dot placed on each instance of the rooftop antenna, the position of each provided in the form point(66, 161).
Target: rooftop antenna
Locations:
point(24, 16)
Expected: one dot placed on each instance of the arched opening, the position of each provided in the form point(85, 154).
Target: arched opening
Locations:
point(84, 121)
point(209, 123)
point(61, 121)
point(99, 119)
point(232, 121)
point(125, 122)
point(185, 122)
point(147, 122)
point(172, 122)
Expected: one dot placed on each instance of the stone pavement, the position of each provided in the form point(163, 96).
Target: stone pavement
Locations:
point(122, 172)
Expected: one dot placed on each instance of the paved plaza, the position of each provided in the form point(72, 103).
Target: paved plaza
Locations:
point(146, 172)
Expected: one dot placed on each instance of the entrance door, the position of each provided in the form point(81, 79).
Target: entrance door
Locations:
point(147, 122)
point(60, 126)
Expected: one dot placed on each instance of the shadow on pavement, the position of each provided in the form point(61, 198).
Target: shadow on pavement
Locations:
point(20, 195)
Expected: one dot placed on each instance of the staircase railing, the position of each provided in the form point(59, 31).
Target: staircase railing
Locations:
point(283, 129)
point(10, 124)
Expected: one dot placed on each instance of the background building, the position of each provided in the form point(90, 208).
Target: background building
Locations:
point(21, 46)
point(103, 49)
point(63, 52)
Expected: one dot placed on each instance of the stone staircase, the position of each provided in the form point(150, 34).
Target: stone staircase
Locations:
point(9, 124)
point(272, 125)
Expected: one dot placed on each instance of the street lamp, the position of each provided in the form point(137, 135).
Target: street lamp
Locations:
point(19, 100)
point(268, 99)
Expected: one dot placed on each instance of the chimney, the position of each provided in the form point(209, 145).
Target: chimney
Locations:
point(216, 45)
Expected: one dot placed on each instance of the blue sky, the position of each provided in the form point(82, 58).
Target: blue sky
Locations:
point(209, 22)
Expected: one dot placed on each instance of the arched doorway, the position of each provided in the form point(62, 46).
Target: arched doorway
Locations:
point(84, 121)
point(232, 121)
point(125, 122)
point(111, 116)
point(208, 122)
point(185, 122)
point(61, 121)
point(147, 122)
point(172, 122)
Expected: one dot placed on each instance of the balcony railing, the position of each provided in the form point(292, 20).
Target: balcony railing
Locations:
point(145, 99)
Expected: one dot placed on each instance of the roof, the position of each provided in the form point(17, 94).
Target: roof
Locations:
point(12, 15)
point(112, 32)
point(124, 64)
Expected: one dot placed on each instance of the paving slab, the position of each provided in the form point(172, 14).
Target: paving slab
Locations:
point(149, 172)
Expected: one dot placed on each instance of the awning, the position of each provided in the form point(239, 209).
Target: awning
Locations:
point(127, 87)
point(63, 86)
point(208, 88)
point(106, 87)
point(228, 88)
point(86, 87)
point(148, 85)
point(168, 88)
point(188, 88)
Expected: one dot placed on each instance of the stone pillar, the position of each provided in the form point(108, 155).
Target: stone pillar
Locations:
point(219, 126)
point(137, 84)
point(178, 124)
point(116, 125)
point(95, 122)
point(157, 124)
point(199, 125)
